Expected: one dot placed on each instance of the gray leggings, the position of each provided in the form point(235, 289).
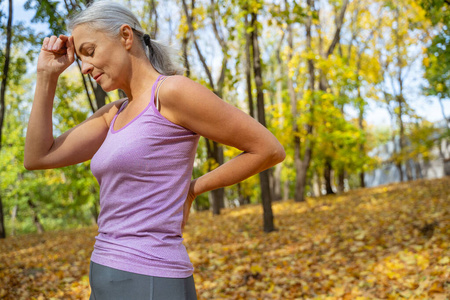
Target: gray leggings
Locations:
point(112, 284)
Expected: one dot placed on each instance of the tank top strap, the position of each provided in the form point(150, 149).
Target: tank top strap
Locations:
point(155, 84)
point(122, 106)
point(157, 92)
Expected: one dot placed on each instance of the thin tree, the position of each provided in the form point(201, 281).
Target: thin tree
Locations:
point(214, 150)
point(2, 100)
point(266, 193)
point(302, 163)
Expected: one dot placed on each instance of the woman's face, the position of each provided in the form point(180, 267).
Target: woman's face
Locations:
point(105, 59)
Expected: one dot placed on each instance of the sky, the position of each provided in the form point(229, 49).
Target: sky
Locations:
point(377, 115)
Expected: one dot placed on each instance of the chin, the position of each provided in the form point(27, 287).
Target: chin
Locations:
point(108, 88)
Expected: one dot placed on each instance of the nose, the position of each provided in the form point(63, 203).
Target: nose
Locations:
point(86, 67)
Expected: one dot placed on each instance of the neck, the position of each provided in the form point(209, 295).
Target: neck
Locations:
point(141, 77)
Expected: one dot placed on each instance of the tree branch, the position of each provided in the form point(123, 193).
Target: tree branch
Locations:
point(197, 48)
point(338, 29)
point(4, 78)
point(219, 38)
point(85, 87)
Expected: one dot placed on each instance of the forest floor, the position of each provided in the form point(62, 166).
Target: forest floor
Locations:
point(388, 242)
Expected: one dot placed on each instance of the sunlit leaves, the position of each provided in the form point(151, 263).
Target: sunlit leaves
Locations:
point(389, 242)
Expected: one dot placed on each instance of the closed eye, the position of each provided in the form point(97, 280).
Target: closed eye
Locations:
point(90, 51)
point(87, 49)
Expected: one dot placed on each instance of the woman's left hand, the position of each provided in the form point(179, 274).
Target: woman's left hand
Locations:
point(187, 205)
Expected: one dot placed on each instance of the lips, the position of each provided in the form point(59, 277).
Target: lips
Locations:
point(96, 77)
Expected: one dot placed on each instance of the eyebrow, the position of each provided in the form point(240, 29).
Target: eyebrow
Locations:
point(80, 48)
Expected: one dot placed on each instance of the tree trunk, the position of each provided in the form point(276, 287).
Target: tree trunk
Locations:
point(418, 170)
point(323, 84)
point(215, 151)
point(85, 86)
point(37, 222)
point(300, 183)
point(240, 195)
point(301, 166)
point(248, 66)
point(187, 67)
point(286, 190)
point(362, 179)
point(100, 95)
point(266, 194)
point(328, 178)
point(361, 102)
point(2, 220)
point(400, 139)
point(13, 219)
point(94, 212)
point(2, 101)
point(316, 185)
point(361, 127)
point(153, 15)
point(341, 181)
point(400, 101)
point(277, 183)
point(403, 157)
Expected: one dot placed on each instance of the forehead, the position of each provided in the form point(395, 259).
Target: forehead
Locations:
point(84, 34)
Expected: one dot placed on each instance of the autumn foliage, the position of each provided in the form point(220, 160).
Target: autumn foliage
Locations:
point(389, 242)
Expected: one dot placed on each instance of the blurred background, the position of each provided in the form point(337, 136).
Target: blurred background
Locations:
point(356, 91)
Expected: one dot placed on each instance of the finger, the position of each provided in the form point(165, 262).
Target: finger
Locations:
point(58, 44)
point(63, 37)
point(51, 42)
point(45, 43)
point(70, 48)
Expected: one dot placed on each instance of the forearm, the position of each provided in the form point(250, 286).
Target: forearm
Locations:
point(239, 168)
point(39, 137)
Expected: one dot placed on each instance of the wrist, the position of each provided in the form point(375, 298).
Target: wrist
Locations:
point(194, 188)
point(48, 76)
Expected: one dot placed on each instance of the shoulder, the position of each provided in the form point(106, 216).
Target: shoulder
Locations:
point(108, 111)
point(183, 99)
point(180, 92)
point(177, 85)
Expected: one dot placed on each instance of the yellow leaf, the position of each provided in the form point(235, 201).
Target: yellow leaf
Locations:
point(256, 269)
point(444, 261)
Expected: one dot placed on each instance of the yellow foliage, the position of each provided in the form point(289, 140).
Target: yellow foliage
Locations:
point(368, 242)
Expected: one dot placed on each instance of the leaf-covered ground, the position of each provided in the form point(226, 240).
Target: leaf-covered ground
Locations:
point(389, 242)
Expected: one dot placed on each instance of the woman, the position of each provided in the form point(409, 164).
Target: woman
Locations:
point(142, 150)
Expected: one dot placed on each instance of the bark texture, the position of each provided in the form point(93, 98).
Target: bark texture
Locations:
point(2, 101)
point(266, 193)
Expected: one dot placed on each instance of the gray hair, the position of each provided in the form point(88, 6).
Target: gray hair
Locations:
point(108, 17)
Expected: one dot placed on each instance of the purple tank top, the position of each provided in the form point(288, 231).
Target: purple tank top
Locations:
point(144, 170)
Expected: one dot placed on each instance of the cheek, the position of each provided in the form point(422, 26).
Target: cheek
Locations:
point(122, 67)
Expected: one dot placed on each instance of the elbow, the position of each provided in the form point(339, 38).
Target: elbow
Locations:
point(277, 154)
point(28, 161)
point(31, 164)
point(28, 165)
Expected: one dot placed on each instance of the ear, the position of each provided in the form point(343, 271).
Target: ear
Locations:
point(126, 36)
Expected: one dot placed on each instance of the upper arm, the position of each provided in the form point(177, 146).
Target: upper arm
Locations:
point(195, 107)
point(81, 142)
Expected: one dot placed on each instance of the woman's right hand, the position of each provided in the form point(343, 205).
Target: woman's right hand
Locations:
point(57, 54)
